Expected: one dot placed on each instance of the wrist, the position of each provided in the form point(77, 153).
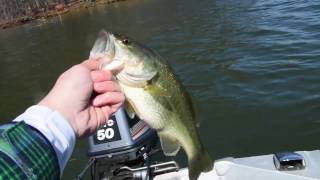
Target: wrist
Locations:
point(54, 127)
point(64, 111)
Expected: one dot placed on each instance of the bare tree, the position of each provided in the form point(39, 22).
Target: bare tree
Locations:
point(11, 10)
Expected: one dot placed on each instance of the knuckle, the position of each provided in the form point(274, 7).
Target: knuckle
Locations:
point(109, 74)
point(99, 86)
point(106, 96)
point(78, 67)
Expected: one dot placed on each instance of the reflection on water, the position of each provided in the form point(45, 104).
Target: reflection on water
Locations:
point(252, 66)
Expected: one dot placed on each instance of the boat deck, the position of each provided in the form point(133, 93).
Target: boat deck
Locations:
point(255, 168)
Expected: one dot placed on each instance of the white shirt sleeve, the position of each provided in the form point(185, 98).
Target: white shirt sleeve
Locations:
point(54, 127)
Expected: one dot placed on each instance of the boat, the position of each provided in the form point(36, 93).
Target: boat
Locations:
point(122, 149)
point(300, 165)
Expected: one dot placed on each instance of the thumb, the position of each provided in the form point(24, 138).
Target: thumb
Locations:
point(91, 64)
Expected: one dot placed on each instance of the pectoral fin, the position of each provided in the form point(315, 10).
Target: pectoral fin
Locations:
point(161, 96)
point(157, 91)
point(129, 109)
point(170, 146)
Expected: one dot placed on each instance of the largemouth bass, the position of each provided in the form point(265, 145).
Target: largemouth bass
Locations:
point(156, 96)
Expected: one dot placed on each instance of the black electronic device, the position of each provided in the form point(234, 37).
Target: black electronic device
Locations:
point(119, 135)
point(121, 149)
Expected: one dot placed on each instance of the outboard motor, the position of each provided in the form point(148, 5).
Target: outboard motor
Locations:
point(121, 149)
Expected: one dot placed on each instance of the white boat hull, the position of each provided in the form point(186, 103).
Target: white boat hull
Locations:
point(254, 168)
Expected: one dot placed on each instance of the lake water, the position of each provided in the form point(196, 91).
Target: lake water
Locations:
point(253, 67)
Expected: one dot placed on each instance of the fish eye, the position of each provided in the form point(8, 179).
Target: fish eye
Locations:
point(125, 41)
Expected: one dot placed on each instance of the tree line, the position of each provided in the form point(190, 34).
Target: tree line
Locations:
point(11, 10)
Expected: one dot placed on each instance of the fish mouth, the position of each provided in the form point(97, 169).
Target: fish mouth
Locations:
point(103, 46)
point(115, 57)
point(104, 49)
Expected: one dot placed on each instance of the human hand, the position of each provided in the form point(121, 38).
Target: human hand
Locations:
point(85, 96)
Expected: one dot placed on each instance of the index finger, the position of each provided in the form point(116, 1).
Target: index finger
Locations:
point(100, 76)
point(91, 64)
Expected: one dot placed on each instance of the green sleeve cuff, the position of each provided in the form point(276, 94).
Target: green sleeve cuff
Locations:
point(28, 152)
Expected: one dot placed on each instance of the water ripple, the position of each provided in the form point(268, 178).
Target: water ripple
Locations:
point(253, 66)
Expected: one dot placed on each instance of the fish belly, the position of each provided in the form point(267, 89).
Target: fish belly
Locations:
point(146, 107)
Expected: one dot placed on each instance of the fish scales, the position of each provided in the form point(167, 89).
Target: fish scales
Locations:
point(157, 96)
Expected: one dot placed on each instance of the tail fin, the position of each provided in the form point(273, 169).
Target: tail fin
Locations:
point(199, 163)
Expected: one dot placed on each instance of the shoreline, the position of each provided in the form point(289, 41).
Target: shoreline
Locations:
point(58, 10)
